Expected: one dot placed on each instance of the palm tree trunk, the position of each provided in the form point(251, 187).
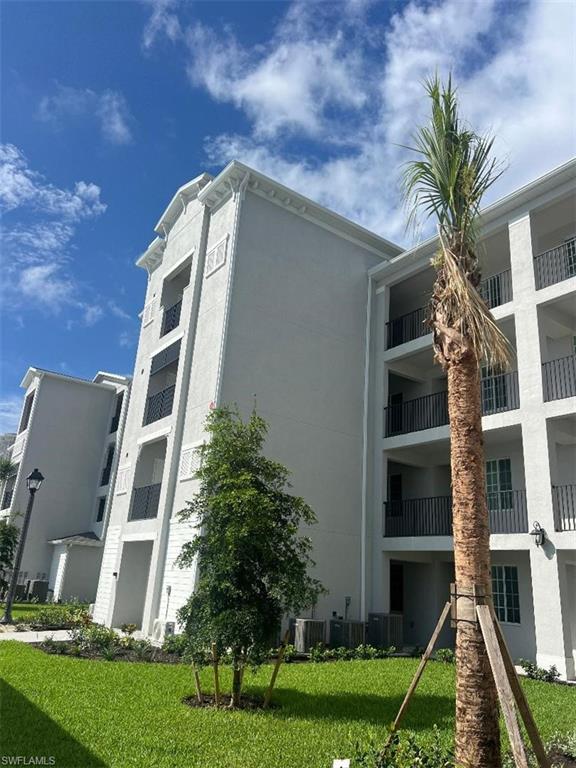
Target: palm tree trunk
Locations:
point(477, 730)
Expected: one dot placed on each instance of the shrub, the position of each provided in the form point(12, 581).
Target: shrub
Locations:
point(128, 629)
point(403, 752)
point(95, 638)
point(366, 652)
point(51, 646)
point(60, 616)
point(532, 670)
point(109, 653)
point(445, 655)
point(176, 644)
point(290, 653)
point(143, 649)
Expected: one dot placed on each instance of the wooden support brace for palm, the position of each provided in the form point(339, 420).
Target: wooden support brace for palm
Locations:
point(216, 675)
point(281, 651)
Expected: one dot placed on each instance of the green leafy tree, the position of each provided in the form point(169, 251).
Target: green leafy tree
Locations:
point(8, 542)
point(252, 561)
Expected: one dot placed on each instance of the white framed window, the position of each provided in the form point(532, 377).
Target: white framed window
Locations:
point(505, 593)
point(216, 257)
point(122, 480)
point(499, 484)
point(190, 461)
point(148, 313)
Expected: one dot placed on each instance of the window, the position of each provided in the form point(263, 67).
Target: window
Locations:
point(117, 411)
point(505, 593)
point(499, 484)
point(494, 390)
point(100, 509)
point(27, 410)
point(216, 257)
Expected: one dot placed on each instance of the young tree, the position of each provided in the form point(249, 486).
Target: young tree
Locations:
point(9, 534)
point(448, 181)
point(252, 562)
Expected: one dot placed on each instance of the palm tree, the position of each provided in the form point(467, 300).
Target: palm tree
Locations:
point(7, 468)
point(447, 181)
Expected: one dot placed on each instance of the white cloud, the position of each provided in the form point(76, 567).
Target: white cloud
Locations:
point(10, 410)
point(37, 239)
point(161, 21)
point(351, 86)
point(126, 339)
point(108, 107)
point(118, 312)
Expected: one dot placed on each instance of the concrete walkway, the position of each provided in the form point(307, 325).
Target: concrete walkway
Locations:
point(36, 637)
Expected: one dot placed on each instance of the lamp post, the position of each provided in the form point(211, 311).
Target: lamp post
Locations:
point(33, 481)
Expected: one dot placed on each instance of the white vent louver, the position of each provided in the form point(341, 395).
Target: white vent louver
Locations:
point(189, 462)
point(122, 480)
point(148, 313)
point(216, 256)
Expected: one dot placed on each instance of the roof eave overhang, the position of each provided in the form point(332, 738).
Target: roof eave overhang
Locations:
point(215, 193)
point(183, 195)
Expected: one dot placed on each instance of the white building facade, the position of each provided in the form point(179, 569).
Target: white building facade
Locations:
point(69, 429)
point(256, 291)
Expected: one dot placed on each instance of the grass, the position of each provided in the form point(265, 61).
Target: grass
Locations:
point(116, 714)
point(24, 610)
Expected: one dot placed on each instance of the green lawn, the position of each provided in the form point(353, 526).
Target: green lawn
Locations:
point(24, 610)
point(118, 714)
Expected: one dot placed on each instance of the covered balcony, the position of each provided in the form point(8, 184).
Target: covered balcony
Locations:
point(418, 498)
point(410, 322)
point(557, 326)
point(562, 447)
point(554, 242)
point(172, 292)
point(162, 384)
point(145, 498)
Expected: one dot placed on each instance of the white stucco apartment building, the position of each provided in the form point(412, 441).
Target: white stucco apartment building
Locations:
point(69, 429)
point(254, 290)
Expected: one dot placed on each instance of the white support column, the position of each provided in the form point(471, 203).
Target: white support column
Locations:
point(544, 568)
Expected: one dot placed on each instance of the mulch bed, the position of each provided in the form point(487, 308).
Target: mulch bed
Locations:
point(156, 656)
point(246, 702)
point(559, 760)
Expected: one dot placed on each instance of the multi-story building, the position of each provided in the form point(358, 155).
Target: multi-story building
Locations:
point(69, 429)
point(256, 291)
point(528, 252)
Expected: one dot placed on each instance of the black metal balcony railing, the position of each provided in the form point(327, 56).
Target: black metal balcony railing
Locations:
point(432, 516)
point(495, 290)
point(499, 393)
point(564, 502)
point(559, 378)
point(105, 479)
point(144, 505)
point(159, 405)
point(7, 498)
point(171, 318)
point(407, 327)
point(115, 423)
point(555, 265)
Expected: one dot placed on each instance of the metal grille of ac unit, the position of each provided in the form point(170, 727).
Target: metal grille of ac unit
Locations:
point(346, 634)
point(309, 632)
point(385, 629)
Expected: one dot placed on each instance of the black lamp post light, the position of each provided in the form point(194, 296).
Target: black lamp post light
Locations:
point(33, 481)
point(538, 533)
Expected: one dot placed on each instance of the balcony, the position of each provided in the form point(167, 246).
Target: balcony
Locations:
point(495, 290)
point(171, 318)
point(499, 393)
point(559, 378)
point(159, 405)
point(564, 503)
point(432, 516)
point(145, 500)
point(556, 265)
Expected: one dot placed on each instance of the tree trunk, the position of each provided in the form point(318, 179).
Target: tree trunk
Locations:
point(477, 729)
point(236, 684)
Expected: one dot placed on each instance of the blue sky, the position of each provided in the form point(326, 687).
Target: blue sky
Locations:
point(108, 107)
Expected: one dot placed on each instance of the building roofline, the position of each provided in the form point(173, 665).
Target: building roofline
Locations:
point(37, 373)
point(222, 186)
point(185, 193)
point(520, 197)
point(101, 375)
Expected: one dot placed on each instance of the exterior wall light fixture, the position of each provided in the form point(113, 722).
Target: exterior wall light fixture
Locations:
point(539, 534)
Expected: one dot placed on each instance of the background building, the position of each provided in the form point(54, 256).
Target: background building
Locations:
point(69, 429)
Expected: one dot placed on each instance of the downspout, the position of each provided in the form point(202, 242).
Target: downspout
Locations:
point(365, 446)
